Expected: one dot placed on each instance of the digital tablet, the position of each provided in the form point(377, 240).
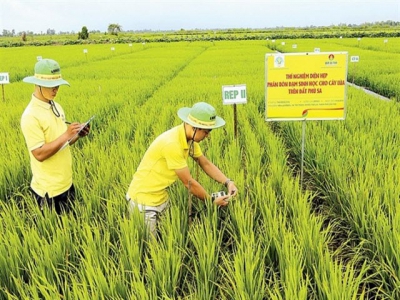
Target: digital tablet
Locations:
point(83, 126)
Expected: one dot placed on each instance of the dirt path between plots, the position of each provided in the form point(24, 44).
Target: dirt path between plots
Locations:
point(368, 92)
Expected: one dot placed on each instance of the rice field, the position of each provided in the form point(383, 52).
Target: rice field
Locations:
point(332, 236)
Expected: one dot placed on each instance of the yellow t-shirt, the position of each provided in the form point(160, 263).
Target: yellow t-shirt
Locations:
point(39, 126)
point(156, 172)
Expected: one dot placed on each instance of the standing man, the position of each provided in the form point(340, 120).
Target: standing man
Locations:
point(48, 137)
point(165, 161)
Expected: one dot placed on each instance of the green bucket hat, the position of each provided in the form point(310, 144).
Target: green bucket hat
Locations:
point(47, 74)
point(201, 115)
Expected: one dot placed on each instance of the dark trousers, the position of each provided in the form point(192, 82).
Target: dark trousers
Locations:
point(61, 203)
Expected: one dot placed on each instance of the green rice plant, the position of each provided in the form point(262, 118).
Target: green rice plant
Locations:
point(243, 266)
point(299, 219)
point(205, 239)
point(10, 258)
point(279, 246)
point(243, 273)
point(341, 282)
point(164, 261)
point(99, 270)
point(354, 179)
point(132, 254)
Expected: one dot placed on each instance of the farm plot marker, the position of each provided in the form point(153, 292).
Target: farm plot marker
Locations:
point(4, 79)
point(232, 95)
point(354, 59)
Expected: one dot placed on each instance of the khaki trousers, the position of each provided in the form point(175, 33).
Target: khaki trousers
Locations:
point(151, 213)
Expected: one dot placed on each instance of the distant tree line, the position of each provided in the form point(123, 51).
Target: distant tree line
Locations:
point(378, 29)
point(114, 29)
point(11, 33)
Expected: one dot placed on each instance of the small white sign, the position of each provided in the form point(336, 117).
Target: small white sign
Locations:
point(385, 41)
point(283, 43)
point(234, 94)
point(38, 58)
point(354, 58)
point(317, 50)
point(294, 46)
point(4, 78)
point(130, 45)
point(85, 51)
point(112, 49)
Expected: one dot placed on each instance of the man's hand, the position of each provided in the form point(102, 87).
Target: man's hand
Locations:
point(232, 189)
point(73, 129)
point(222, 200)
point(85, 131)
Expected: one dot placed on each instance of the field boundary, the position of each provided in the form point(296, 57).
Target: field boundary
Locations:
point(369, 92)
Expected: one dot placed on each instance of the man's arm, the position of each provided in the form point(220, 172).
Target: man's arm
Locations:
point(49, 149)
point(196, 188)
point(212, 170)
point(191, 184)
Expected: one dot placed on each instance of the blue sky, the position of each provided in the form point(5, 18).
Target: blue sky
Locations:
point(72, 15)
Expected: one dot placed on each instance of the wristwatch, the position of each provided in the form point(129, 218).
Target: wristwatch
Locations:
point(227, 182)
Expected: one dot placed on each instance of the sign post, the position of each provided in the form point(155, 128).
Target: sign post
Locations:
point(305, 86)
point(354, 59)
point(4, 79)
point(232, 95)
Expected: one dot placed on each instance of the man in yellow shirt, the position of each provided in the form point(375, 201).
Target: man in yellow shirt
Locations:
point(165, 161)
point(48, 137)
